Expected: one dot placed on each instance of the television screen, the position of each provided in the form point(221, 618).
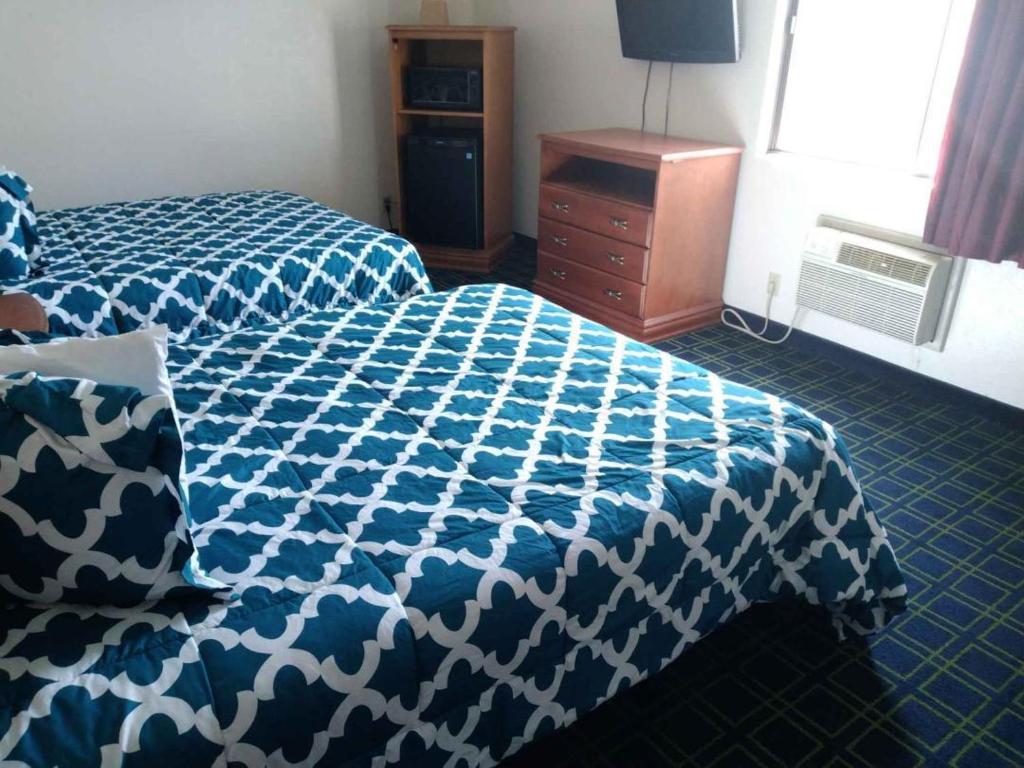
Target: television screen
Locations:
point(679, 30)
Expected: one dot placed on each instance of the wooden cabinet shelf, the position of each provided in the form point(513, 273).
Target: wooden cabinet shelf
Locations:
point(634, 228)
point(440, 113)
point(492, 51)
point(604, 179)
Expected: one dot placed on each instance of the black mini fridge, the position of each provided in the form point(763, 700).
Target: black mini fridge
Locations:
point(443, 189)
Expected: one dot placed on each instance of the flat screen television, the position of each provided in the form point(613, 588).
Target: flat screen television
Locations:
point(679, 30)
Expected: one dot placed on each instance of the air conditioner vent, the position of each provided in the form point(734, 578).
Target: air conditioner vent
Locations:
point(893, 289)
point(881, 263)
point(861, 300)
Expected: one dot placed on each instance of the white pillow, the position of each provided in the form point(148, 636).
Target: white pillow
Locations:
point(137, 359)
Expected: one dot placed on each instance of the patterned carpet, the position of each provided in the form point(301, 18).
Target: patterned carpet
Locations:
point(942, 686)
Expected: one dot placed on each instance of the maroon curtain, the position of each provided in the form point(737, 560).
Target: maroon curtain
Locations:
point(977, 204)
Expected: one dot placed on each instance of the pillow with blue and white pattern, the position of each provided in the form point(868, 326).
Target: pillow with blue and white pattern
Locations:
point(12, 338)
point(19, 239)
point(92, 509)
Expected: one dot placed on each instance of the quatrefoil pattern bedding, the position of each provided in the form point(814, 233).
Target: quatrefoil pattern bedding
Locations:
point(453, 524)
point(211, 264)
point(91, 504)
point(19, 239)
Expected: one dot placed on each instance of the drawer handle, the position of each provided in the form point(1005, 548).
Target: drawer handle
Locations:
point(562, 241)
point(614, 258)
point(558, 274)
point(560, 207)
point(620, 223)
point(617, 295)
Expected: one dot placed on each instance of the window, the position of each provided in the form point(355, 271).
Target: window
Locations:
point(870, 81)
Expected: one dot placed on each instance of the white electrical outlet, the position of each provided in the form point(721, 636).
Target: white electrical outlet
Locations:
point(774, 283)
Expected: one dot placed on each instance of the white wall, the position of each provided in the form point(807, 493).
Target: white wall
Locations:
point(571, 75)
point(462, 12)
point(119, 99)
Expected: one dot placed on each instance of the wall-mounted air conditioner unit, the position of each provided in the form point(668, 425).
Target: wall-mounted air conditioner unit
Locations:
point(893, 289)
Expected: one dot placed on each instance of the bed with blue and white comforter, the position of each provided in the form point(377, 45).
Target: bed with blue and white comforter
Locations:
point(452, 524)
point(210, 264)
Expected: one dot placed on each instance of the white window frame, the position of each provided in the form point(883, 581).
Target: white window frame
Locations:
point(789, 36)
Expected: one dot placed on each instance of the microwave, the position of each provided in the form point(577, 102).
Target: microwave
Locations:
point(455, 88)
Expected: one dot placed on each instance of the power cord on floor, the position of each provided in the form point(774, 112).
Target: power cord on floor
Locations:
point(741, 325)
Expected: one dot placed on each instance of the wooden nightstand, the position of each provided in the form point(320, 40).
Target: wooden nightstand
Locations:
point(634, 228)
point(22, 312)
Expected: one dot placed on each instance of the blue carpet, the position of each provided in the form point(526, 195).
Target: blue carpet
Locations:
point(942, 686)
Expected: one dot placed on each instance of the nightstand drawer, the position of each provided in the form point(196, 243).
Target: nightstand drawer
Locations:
point(591, 284)
point(620, 221)
point(597, 251)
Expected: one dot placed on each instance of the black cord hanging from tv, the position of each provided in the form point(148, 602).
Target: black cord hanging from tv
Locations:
point(668, 95)
point(647, 88)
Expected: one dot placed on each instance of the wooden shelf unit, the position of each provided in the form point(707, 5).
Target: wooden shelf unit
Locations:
point(634, 228)
point(441, 113)
point(492, 50)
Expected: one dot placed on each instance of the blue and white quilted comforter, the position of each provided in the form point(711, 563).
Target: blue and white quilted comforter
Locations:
point(453, 524)
point(211, 264)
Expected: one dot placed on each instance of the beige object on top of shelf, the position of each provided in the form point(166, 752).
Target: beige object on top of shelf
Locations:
point(434, 12)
